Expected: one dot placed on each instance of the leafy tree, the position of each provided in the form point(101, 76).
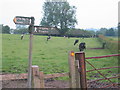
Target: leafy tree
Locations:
point(118, 29)
point(79, 33)
point(116, 32)
point(92, 32)
point(6, 29)
point(60, 15)
point(21, 31)
point(1, 26)
point(110, 32)
point(101, 31)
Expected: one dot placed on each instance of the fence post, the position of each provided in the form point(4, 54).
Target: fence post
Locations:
point(42, 80)
point(71, 61)
point(82, 69)
point(35, 77)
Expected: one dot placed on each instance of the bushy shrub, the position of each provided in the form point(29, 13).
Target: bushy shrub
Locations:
point(110, 44)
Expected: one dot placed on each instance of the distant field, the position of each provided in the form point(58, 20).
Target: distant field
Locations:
point(51, 56)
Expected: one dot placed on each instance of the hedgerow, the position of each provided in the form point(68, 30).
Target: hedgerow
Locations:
point(110, 43)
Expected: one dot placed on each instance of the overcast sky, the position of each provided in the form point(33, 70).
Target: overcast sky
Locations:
point(89, 13)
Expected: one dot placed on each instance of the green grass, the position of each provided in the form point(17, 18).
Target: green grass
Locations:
point(51, 56)
point(113, 38)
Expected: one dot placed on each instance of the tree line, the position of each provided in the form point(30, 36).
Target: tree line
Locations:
point(70, 33)
point(108, 32)
point(7, 30)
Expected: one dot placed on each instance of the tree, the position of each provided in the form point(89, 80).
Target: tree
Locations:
point(116, 32)
point(92, 32)
point(79, 33)
point(60, 15)
point(110, 32)
point(21, 31)
point(6, 29)
point(20, 26)
point(101, 31)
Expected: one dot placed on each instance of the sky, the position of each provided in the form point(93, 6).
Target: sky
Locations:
point(89, 13)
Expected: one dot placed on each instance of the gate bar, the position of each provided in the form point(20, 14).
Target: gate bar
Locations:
point(103, 56)
point(103, 68)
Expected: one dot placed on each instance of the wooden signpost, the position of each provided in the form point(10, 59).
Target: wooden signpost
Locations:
point(27, 21)
point(32, 30)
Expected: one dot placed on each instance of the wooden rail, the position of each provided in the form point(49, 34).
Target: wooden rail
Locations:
point(25, 75)
point(14, 76)
point(55, 75)
point(38, 77)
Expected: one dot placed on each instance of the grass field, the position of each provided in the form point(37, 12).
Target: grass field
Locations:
point(113, 38)
point(51, 56)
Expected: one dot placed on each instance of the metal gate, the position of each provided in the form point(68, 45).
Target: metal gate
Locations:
point(102, 80)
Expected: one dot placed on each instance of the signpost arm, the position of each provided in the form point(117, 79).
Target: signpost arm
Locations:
point(31, 28)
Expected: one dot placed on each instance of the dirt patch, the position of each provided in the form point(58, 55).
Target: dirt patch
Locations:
point(14, 84)
point(51, 84)
point(57, 84)
point(23, 84)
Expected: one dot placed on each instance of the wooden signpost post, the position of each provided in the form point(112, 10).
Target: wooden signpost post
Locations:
point(27, 21)
point(32, 30)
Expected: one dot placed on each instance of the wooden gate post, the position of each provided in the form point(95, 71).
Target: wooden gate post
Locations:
point(82, 69)
point(71, 60)
point(35, 77)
